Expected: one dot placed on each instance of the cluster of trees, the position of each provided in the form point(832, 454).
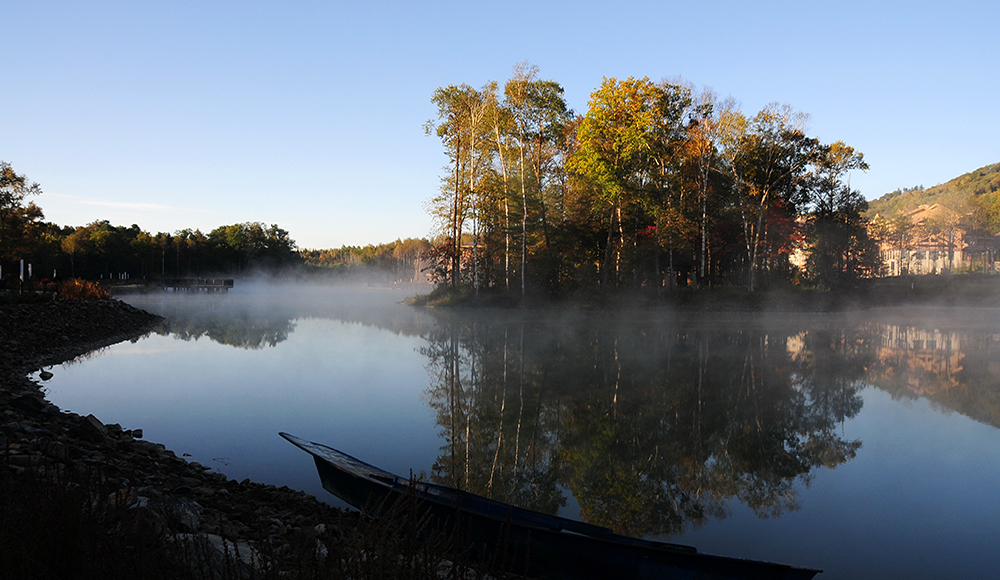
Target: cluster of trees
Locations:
point(654, 185)
point(102, 250)
point(399, 261)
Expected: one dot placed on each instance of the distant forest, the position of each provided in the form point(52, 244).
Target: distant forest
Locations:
point(100, 250)
point(654, 186)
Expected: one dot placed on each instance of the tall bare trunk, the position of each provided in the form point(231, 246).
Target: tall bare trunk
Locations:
point(656, 260)
point(524, 224)
point(607, 252)
point(455, 244)
point(506, 207)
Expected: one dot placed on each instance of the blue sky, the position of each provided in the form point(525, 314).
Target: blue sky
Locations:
point(181, 114)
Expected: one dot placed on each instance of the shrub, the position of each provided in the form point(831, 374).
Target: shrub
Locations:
point(76, 289)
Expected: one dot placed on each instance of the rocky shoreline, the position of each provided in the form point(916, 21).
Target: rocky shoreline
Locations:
point(166, 495)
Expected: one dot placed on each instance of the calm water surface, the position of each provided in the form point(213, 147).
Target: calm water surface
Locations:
point(865, 445)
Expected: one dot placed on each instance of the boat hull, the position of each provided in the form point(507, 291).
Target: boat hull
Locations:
point(522, 541)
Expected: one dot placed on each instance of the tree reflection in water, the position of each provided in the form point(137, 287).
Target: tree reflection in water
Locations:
point(250, 332)
point(652, 427)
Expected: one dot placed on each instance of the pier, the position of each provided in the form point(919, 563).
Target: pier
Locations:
point(194, 284)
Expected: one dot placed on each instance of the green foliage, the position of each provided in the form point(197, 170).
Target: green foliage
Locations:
point(615, 133)
point(253, 244)
point(100, 250)
point(399, 261)
point(19, 221)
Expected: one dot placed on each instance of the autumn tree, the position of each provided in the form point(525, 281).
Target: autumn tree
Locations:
point(700, 158)
point(503, 151)
point(767, 157)
point(668, 196)
point(614, 138)
point(461, 126)
point(500, 123)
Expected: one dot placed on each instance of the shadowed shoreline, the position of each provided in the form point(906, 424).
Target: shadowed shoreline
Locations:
point(164, 495)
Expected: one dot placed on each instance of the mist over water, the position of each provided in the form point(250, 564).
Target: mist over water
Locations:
point(866, 444)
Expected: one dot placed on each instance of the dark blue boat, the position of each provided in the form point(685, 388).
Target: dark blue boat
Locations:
point(534, 544)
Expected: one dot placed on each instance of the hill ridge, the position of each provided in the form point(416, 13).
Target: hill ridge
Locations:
point(968, 193)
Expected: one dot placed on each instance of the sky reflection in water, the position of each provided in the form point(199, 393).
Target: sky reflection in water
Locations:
point(706, 425)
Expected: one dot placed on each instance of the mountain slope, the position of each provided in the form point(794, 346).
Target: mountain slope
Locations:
point(965, 194)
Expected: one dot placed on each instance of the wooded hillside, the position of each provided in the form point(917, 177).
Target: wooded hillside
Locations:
point(976, 193)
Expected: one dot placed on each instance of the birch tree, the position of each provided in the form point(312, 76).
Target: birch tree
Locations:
point(767, 156)
point(700, 153)
point(461, 113)
point(539, 112)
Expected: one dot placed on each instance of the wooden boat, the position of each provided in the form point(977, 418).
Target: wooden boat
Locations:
point(534, 544)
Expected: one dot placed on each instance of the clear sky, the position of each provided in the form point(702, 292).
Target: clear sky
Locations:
point(177, 114)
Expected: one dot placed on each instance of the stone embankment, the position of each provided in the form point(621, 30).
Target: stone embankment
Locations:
point(170, 495)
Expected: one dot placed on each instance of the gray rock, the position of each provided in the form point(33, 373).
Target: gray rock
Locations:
point(56, 450)
point(91, 429)
point(28, 460)
point(28, 404)
point(147, 522)
point(181, 514)
point(146, 447)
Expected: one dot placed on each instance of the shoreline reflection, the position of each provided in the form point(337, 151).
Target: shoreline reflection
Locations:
point(652, 428)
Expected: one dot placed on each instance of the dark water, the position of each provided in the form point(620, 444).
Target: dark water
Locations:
point(866, 445)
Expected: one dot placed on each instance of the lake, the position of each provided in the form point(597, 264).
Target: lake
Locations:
point(865, 444)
